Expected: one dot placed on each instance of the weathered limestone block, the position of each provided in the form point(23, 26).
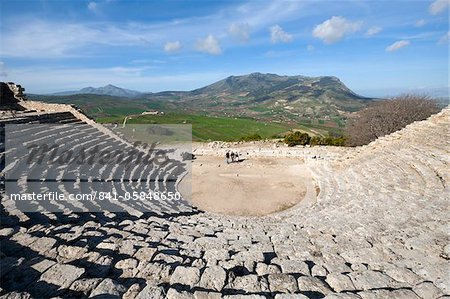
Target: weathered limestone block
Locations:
point(248, 256)
point(211, 256)
point(207, 243)
point(127, 247)
point(282, 283)
point(229, 264)
point(174, 294)
point(427, 290)
point(247, 283)
point(340, 282)
point(367, 280)
point(62, 275)
point(312, 284)
point(189, 276)
point(85, 285)
point(43, 245)
point(292, 266)
point(67, 254)
point(335, 264)
point(318, 270)
point(110, 288)
point(107, 245)
point(7, 231)
point(264, 269)
point(128, 267)
point(132, 291)
point(193, 253)
point(197, 263)
point(40, 266)
point(168, 258)
point(403, 275)
point(213, 278)
point(151, 292)
point(156, 236)
point(145, 254)
point(154, 271)
point(179, 238)
point(125, 264)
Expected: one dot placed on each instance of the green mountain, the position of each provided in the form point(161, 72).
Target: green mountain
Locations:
point(268, 96)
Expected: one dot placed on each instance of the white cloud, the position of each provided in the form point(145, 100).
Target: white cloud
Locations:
point(58, 38)
point(48, 39)
point(209, 45)
point(373, 30)
point(171, 47)
point(335, 29)
point(260, 14)
point(398, 45)
point(277, 34)
point(93, 6)
point(444, 39)
point(438, 6)
point(310, 48)
point(420, 23)
point(239, 31)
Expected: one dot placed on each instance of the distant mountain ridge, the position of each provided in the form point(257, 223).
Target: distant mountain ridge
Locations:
point(267, 97)
point(109, 90)
point(262, 85)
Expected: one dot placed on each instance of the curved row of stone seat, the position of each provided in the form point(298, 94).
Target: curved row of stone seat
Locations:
point(402, 159)
point(40, 117)
point(393, 190)
point(82, 136)
point(208, 253)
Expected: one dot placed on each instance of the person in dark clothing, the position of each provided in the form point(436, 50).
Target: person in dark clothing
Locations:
point(232, 156)
point(227, 156)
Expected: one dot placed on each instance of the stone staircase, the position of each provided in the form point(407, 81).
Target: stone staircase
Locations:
point(379, 229)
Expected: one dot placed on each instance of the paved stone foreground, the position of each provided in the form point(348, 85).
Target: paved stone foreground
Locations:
point(379, 229)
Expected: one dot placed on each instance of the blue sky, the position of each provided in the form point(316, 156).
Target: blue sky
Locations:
point(376, 48)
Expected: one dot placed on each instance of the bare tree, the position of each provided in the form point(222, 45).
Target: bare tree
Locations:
point(385, 117)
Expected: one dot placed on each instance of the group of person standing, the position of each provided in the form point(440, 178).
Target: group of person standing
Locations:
point(231, 157)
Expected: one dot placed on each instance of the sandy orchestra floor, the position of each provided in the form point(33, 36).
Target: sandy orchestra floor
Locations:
point(252, 187)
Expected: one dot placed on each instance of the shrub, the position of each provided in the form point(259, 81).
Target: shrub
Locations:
point(316, 140)
point(385, 117)
point(252, 137)
point(297, 138)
